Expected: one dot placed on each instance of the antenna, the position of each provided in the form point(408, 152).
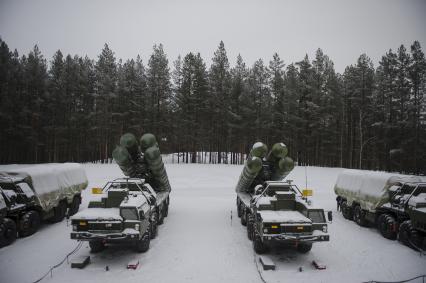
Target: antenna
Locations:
point(306, 176)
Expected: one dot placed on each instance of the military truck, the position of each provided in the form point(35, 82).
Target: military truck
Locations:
point(125, 211)
point(394, 203)
point(274, 211)
point(280, 214)
point(39, 192)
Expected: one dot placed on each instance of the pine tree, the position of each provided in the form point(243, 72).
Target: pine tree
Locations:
point(159, 89)
point(220, 87)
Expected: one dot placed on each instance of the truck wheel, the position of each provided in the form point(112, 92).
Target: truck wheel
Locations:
point(250, 229)
point(7, 232)
point(359, 216)
point(166, 210)
point(409, 236)
point(258, 246)
point(304, 247)
point(96, 246)
point(238, 208)
point(59, 212)
point(387, 226)
point(142, 245)
point(161, 216)
point(30, 223)
point(244, 218)
point(346, 211)
point(154, 229)
point(74, 206)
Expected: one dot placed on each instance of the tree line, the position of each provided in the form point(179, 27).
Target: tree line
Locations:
point(75, 108)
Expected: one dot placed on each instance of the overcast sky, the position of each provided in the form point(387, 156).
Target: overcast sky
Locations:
point(253, 28)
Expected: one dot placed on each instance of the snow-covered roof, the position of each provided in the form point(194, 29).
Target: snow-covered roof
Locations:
point(284, 216)
point(134, 200)
point(421, 198)
point(369, 188)
point(51, 177)
point(99, 214)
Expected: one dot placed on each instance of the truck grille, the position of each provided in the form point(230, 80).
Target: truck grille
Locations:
point(102, 226)
point(294, 228)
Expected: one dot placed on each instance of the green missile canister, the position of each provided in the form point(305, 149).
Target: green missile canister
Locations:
point(148, 140)
point(278, 151)
point(155, 163)
point(252, 167)
point(259, 149)
point(130, 142)
point(124, 160)
point(282, 168)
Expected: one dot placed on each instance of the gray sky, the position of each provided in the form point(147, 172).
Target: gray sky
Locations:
point(253, 28)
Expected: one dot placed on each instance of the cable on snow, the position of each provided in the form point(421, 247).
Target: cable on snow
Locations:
point(403, 281)
point(60, 263)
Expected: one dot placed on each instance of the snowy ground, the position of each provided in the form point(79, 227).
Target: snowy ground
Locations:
point(199, 243)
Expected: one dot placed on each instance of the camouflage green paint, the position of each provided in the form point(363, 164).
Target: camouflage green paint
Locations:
point(155, 163)
point(251, 168)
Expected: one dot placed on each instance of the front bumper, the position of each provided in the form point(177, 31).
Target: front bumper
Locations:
point(295, 238)
point(107, 238)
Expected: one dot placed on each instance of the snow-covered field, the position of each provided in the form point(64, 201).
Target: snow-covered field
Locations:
point(199, 243)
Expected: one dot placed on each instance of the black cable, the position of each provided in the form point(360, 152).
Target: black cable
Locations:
point(403, 281)
point(257, 268)
point(60, 263)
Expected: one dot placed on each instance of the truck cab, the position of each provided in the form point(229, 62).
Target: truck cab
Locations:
point(279, 214)
point(124, 211)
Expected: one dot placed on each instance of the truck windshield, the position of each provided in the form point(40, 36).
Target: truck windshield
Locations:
point(129, 213)
point(421, 189)
point(316, 216)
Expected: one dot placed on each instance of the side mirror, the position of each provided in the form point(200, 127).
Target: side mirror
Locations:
point(141, 215)
point(330, 216)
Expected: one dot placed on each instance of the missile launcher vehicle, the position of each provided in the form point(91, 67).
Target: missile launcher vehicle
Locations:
point(395, 203)
point(124, 211)
point(130, 209)
point(276, 212)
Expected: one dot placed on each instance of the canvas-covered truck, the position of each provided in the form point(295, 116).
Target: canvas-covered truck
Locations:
point(38, 192)
point(395, 203)
point(275, 211)
point(124, 211)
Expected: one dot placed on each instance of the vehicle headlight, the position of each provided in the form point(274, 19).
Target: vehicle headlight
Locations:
point(324, 229)
point(74, 227)
point(137, 227)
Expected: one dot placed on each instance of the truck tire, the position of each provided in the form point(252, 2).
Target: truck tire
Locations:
point(304, 247)
point(59, 212)
point(154, 227)
point(346, 211)
point(74, 206)
point(29, 223)
point(250, 228)
point(409, 236)
point(238, 208)
point(7, 232)
point(258, 246)
point(142, 245)
point(359, 216)
point(244, 218)
point(161, 216)
point(387, 226)
point(96, 246)
point(166, 210)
